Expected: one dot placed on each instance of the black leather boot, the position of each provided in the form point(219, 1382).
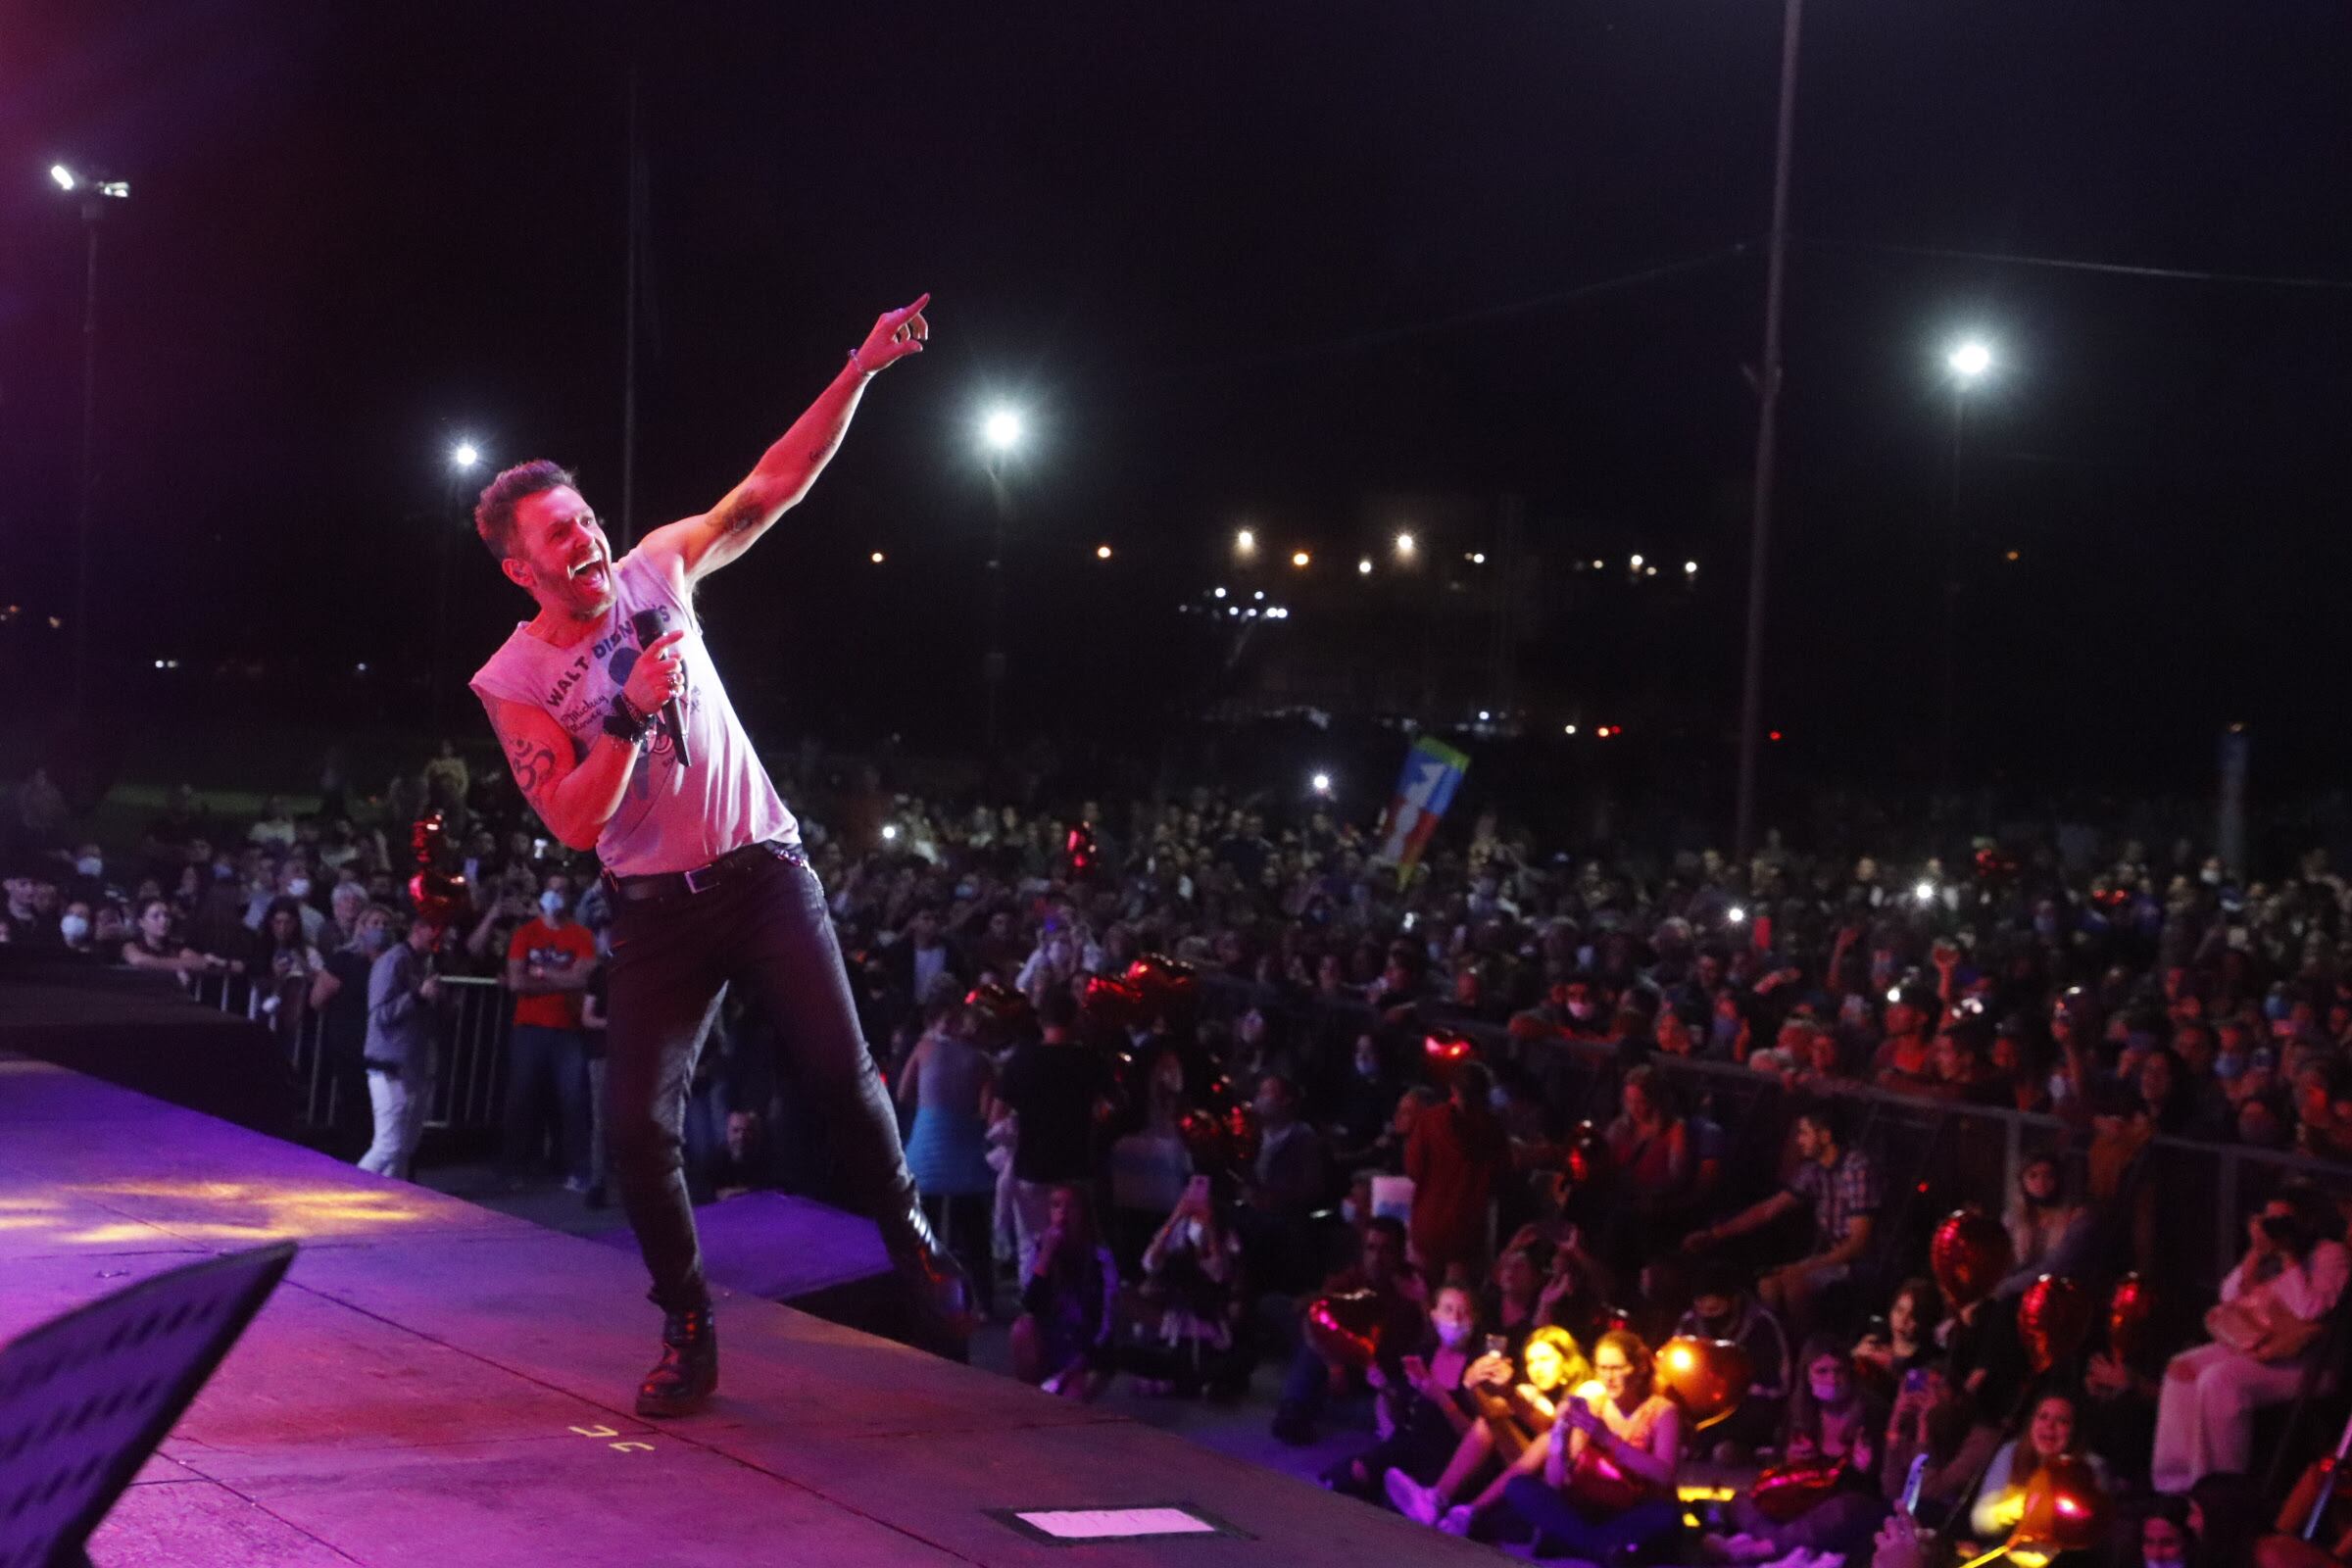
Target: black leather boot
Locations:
point(688, 1372)
point(940, 1290)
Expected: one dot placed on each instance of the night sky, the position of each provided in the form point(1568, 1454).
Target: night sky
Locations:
point(1241, 263)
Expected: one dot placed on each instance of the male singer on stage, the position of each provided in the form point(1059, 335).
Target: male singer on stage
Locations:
point(591, 699)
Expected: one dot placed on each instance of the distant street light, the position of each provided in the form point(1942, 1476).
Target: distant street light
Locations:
point(1969, 358)
point(94, 196)
point(1002, 429)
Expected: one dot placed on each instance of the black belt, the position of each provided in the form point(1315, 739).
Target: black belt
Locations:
point(703, 878)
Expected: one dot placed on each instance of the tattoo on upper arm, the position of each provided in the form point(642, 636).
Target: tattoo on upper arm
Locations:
point(534, 764)
point(739, 516)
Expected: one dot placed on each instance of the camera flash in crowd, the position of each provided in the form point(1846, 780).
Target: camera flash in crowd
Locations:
point(1925, 892)
point(890, 832)
point(1322, 783)
point(1737, 914)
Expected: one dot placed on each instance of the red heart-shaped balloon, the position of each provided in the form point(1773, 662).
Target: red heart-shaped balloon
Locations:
point(2129, 1309)
point(1345, 1329)
point(2053, 1319)
point(1785, 1491)
point(1709, 1377)
point(1969, 1255)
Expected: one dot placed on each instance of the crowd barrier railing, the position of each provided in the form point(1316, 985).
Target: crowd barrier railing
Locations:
point(468, 1078)
point(2184, 1200)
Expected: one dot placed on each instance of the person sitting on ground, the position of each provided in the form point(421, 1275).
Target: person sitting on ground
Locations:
point(1069, 1303)
point(1906, 1338)
point(2049, 1437)
point(1188, 1310)
point(1423, 1415)
point(1723, 1307)
point(1382, 1270)
point(1831, 1416)
point(1514, 1416)
point(1605, 1483)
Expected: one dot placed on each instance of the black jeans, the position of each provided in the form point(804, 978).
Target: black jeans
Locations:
point(764, 927)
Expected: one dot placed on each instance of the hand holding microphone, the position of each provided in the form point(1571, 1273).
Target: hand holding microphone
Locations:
point(657, 678)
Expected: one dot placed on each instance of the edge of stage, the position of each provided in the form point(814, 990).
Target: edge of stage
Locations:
point(437, 1384)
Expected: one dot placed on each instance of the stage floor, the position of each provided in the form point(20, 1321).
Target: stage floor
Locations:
point(437, 1384)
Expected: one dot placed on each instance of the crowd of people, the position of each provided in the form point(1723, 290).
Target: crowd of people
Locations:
point(1343, 1139)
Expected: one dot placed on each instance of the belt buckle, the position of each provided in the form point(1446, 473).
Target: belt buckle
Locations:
point(694, 878)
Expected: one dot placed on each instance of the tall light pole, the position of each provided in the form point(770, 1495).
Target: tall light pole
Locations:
point(1768, 411)
point(464, 458)
point(95, 194)
point(1001, 433)
point(1969, 361)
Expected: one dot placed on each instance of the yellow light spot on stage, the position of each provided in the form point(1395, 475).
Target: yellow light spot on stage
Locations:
point(25, 1222)
point(29, 1206)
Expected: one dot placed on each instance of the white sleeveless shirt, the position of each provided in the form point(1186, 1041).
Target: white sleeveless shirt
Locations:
point(671, 819)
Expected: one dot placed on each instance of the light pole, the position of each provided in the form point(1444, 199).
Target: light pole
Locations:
point(95, 194)
point(1001, 433)
point(1768, 412)
point(464, 458)
point(1969, 361)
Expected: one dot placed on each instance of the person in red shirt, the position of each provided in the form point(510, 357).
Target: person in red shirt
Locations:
point(548, 962)
point(1456, 1156)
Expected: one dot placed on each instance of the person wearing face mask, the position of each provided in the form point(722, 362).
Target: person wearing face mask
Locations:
point(1831, 1416)
point(547, 962)
point(74, 926)
point(1723, 1307)
point(1424, 1410)
point(1515, 1414)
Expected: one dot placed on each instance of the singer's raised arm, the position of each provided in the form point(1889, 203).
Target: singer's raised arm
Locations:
point(697, 546)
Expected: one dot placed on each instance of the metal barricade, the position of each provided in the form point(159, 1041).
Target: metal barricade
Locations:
point(468, 1079)
point(2187, 1200)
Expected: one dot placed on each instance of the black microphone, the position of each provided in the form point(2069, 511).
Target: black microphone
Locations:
point(647, 624)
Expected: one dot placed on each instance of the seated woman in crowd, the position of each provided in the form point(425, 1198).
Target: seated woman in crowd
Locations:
point(2273, 1307)
point(1935, 1416)
point(2049, 1437)
point(1069, 1303)
point(1189, 1311)
point(1514, 1415)
point(1424, 1411)
point(2050, 1231)
point(1831, 1416)
point(1606, 1478)
point(1512, 1303)
point(1907, 1339)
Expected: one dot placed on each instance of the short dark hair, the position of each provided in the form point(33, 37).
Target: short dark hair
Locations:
point(1058, 1008)
point(494, 513)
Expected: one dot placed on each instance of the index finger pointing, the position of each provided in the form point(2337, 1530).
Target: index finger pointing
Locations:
point(911, 310)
